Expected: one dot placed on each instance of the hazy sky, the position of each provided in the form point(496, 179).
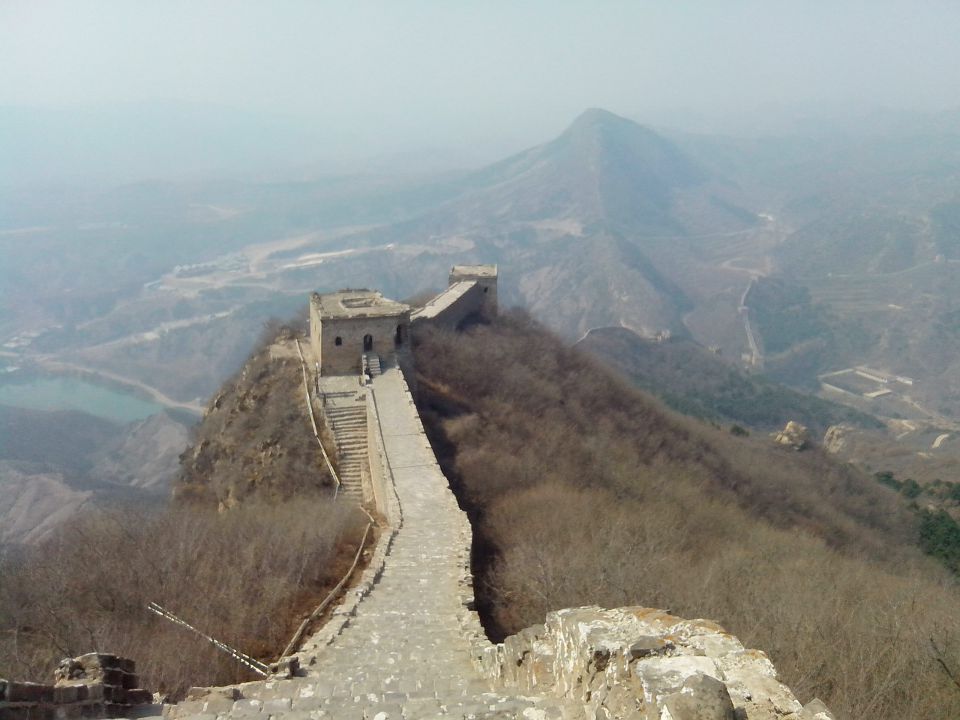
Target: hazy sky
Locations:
point(408, 73)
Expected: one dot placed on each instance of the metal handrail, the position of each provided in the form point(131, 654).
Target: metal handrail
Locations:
point(298, 635)
point(255, 665)
point(313, 422)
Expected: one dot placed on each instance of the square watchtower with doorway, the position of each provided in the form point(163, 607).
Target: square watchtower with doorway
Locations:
point(344, 325)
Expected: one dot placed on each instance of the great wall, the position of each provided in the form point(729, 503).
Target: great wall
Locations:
point(406, 642)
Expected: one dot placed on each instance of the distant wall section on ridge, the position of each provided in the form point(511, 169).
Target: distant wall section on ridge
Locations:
point(472, 290)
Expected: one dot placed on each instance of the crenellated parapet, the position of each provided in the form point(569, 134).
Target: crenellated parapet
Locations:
point(95, 685)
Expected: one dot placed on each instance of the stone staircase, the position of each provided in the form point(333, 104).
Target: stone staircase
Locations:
point(404, 652)
point(349, 425)
point(404, 644)
point(373, 364)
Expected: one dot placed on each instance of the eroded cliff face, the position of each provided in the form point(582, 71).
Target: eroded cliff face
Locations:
point(33, 504)
point(255, 440)
point(145, 456)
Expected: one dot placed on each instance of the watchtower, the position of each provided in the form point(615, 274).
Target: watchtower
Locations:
point(344, 325)
point(486, 278)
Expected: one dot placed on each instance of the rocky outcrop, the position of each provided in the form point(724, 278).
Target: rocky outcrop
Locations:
point(255, 441)
point(794, 435)
point(645, 664)
point(836, 439)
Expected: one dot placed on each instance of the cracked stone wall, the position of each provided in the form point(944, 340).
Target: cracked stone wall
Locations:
point(644, 664)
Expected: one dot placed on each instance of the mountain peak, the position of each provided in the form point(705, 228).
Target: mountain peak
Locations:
point(614, 134)
point(634, 169)
point(597, 116)
point(599, 120)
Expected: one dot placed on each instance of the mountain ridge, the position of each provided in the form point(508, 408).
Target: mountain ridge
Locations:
point(606, 194)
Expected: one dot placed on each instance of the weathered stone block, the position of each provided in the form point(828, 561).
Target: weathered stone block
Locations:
point(647, 645)
point(690, 628)
point(750, 661)
point(621, 701)
point(114, 694)
point(66, 694)
point(247, 709)
point(98, 661)
point(537, 670)
point(93, 710)
point(761, 710)
point(28, 692)
point(198, 693)
point(278, 706)
point(664, 676)
point(746, 686)
point(68, 669)
point(658, 621)
point(109, 676)
point(816, 710)
point(91, 691)
point(9, 712)
point(139, 696)
point(701, 698)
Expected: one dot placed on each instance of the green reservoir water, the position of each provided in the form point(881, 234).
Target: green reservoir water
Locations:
point(71, 393)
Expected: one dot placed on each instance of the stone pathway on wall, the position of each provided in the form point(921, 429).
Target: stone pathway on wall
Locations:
point(406, 652)
point(346, 413)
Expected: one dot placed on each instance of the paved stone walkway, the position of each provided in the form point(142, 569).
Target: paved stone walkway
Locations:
point(346, 412)
point(404, 654)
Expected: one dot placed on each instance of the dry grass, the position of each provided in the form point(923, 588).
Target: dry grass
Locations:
point(247, 577)
point(243, 577)
point(584, 491)
point(255, 441)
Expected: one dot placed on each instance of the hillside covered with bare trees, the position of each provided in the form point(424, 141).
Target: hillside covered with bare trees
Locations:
point(251, 542)
point(584, 490)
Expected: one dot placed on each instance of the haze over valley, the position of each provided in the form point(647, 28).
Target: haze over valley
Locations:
point(724, 373)
point(162, 286)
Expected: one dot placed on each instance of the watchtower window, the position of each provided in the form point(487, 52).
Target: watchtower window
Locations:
point(367, 343)
point(399, 336)
point(485, 290)
point(338, 341)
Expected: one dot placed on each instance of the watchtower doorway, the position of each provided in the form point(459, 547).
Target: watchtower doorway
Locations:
point(367, 343)
point(398, 338)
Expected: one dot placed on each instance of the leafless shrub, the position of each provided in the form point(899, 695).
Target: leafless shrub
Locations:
point(584, 490)
point(244, 577)
point(256, 440)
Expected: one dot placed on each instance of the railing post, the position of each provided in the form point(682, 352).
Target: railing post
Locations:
point(313, 421)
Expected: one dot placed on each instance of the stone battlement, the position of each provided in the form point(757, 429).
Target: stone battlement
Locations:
point(95, 685)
